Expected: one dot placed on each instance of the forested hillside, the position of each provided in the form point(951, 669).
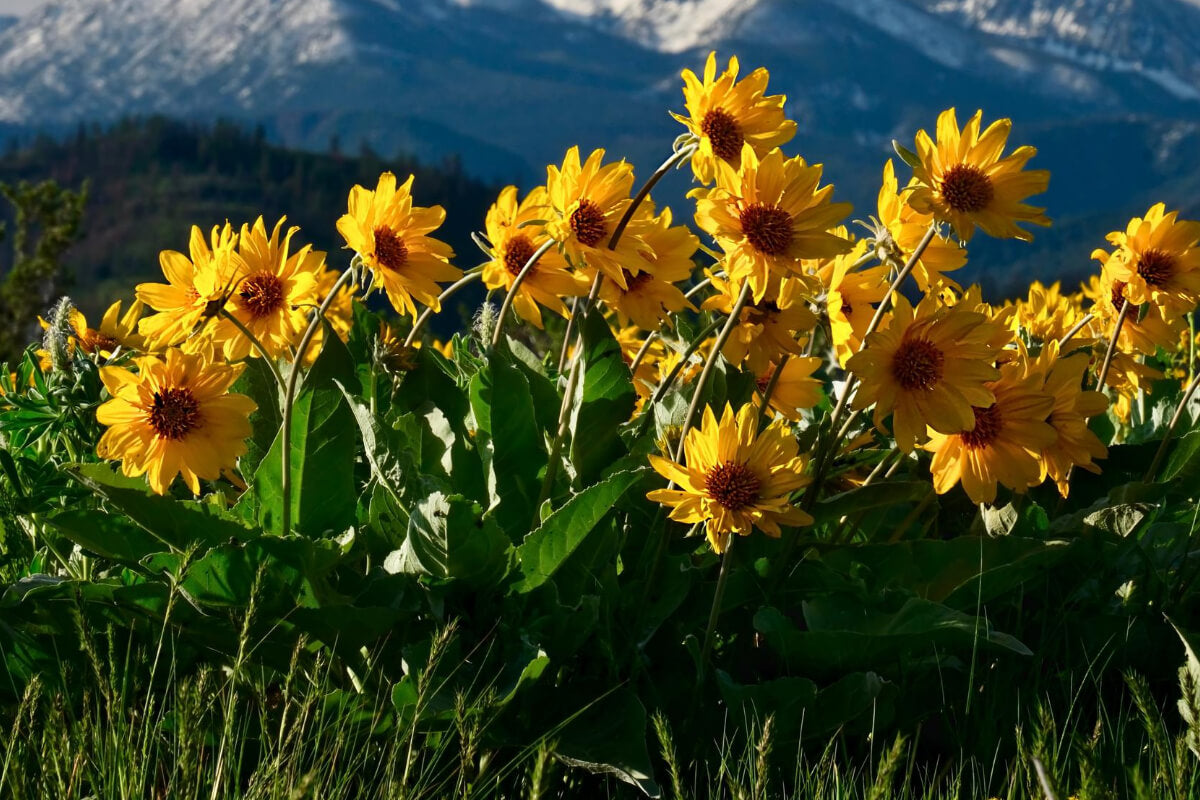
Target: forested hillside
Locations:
point(151, 179)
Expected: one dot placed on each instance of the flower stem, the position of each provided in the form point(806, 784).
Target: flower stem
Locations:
point(675, 158)
point(511, 294)
point(735, 315)
point(715, 612)
point(1075, 330)
point(449, 292)
point(1112, 346)
point(289, 396)
point(770, 387)
point(1178, 415)
point(641, 353)
point(669, 381)
point(262, 351)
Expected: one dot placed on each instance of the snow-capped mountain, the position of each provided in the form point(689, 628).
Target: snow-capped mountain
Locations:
point(507, 84)
point(1109, 90)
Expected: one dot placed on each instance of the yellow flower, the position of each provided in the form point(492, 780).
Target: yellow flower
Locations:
point(732, 480)
point(116, 330)
point(768, 215)
point(1003, 445)
point(645, 376)
point(850, 298)
point(907, 227)
point(587, 201)
point(174, 417)
point(1000, 320)
point(514, 242)
point(963, 181)
point(928, 367)
point(795, 389)
point(1047, 314)
point(767, 328)
point(1076, 445)
point(650, 297)
point(183, 302)
point(274, 293)
point(392, 236)
point(1158, 261)
point(1145, 329)
point(725, 113)
point(1127, 375)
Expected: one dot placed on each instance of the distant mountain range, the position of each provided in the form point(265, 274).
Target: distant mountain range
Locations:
point(1108, 89)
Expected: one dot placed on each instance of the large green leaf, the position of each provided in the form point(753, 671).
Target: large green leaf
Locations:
point(545, 550)
point(257, 382)
point(179, 524)
point(106, 535)
point(292, 569)
point(1184, 461)
point(843, 636)
point(448, 537)
point(504, 415)
point(609, 737)
point(323, 446)
point(604, 401)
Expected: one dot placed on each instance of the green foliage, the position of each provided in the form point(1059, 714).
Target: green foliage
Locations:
point(46, 221)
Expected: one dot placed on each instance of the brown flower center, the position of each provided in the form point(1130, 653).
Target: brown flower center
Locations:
point(846, 308)
point(390, 250)
point(967, 189)
point(917, 364)
point(724, 134)
point(1118, 295)
point(517, 254)
point(93, 341)
point(988, 424)
point(732, 485)
point(635, 282)
point(764, 381)
point(174, 413)
point(588, 223)
point(768, 228)
point(262, 294)
point(1156, 267)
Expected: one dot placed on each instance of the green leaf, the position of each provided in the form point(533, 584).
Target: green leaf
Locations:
point(179, 524)
point(257, 382)
point(106, 535)
point(906, 155)
point(448, 537)
point(609, 737)
point(843, 636)
point(323, 447)
point(605, 401)
point(875, 495)
point(293, 570)
point(499, 399)
point(1184, 461)
point(1119, 520)
point(545, 550)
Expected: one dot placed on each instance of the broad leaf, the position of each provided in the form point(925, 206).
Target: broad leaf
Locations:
point(604, 401)
point(504, 414)
point(179, 524)
point(448, 537)
point(545, 550)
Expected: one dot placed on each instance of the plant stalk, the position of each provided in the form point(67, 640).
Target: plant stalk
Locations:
point(465, 280)
point(735, 315)
point(511, 294)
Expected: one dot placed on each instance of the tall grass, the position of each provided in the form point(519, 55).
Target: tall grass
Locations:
point(140, 724)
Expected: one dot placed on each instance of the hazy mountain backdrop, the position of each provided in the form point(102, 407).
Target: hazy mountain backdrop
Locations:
point(1109, 90)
